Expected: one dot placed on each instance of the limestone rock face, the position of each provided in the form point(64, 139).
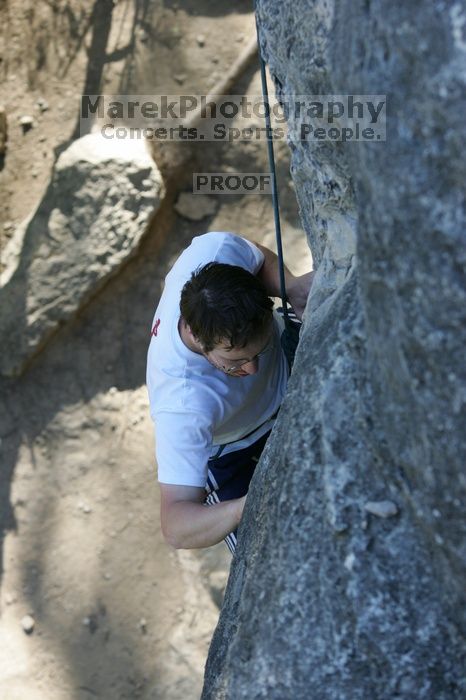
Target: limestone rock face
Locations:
point(91, 219)
point(349, 578)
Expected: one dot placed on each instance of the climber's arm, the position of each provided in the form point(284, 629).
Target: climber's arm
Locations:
point(297, 288)
point(188, 524)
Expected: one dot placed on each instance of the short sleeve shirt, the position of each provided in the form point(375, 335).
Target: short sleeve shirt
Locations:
point(195, 406)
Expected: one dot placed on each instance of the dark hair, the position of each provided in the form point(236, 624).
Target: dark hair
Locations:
point(225, 303)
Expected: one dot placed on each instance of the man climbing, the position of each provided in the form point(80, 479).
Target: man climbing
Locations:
point(216, 376)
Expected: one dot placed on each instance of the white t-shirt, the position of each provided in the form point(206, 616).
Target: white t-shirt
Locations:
point(195, 406)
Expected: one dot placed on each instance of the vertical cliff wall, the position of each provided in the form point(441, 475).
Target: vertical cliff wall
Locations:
point(349, 580)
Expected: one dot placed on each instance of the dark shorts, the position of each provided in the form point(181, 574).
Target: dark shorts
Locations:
point(229, 477)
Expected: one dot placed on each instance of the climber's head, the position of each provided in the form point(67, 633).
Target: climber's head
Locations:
point(227, 311)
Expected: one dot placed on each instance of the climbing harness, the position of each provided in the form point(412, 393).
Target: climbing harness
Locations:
point(290, 336)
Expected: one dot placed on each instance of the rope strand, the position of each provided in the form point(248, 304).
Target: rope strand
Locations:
point(276, 210)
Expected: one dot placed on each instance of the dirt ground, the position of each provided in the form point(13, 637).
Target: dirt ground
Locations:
point(117, 613)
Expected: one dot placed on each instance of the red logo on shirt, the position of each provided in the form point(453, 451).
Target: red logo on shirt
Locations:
point(155, 328)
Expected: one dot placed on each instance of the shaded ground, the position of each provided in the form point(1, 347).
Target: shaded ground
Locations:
point(118, 614)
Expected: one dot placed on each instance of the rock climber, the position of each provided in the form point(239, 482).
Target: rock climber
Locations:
point(216, 376)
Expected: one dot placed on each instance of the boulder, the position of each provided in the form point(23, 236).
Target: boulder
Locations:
point(349, 578)
point(195, 207)
point(101, 198)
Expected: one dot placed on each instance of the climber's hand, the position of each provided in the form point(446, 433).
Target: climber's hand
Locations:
point(298, 292)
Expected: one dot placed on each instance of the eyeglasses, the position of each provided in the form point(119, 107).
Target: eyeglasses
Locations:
point(264, 351)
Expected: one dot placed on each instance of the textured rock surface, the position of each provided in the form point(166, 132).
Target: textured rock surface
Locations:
point(89, 222)
point(326, 599)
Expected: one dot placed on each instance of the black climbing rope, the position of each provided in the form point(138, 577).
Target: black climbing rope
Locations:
point(291, 335)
